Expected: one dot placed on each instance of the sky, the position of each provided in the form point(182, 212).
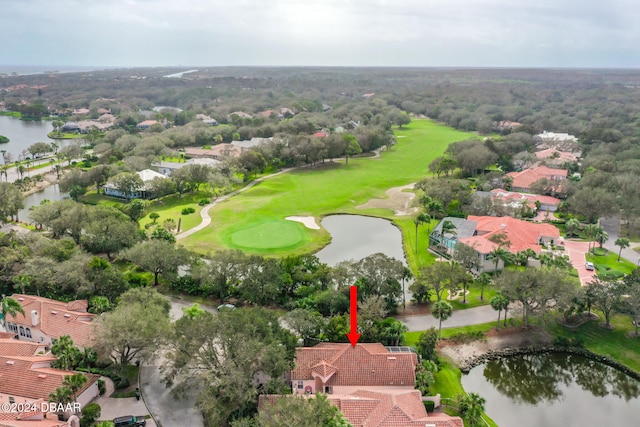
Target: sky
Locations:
point(468, 33)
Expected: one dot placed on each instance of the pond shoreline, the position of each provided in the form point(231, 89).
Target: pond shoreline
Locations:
point(521, 342)
point(49, 180)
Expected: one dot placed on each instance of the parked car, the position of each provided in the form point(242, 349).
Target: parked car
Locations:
point(589, 266)
point(129, 421)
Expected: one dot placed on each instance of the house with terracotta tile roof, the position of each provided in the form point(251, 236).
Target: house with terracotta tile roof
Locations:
point(522, 181)
point(520, 234)
point(370, 384)
point(47, 320)
point(554, 157)
point(218, 151)
point(28, 378)
point(400, 408)
point(341, 369)
point(31, 419)
point(146, 124)
point(515, 200)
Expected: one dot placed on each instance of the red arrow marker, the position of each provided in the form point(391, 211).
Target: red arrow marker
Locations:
point(354, 336)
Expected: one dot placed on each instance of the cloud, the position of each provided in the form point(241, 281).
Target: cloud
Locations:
point(322, 32)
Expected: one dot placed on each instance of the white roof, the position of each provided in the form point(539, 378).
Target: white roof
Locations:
point(148, 175)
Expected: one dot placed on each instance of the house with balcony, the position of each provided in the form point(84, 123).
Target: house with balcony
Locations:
point(46, 320)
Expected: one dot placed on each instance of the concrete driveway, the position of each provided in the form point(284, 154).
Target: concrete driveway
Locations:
point(111, 407)
point(577, 251)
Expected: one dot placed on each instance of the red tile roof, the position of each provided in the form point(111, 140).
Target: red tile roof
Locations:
point(527, 177)
point(56, 318)
point(393, 408)
point(388, 408)
point(32, 378)
point(13, 347)
point(363, 365)
point(522, 234)
point(219, 150)
point(530, 198)
point(31, 419)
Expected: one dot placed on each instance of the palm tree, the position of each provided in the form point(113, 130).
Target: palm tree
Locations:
point(421, 218)
point(499, 303)
point(484, 280)
point(10, 307)
point(592, 231)
point(75, 383)
point(442, 310)
point(434, 207)
point(449, 227)
point(498, 254)
point(572, 225)
point(62, 395)
point(470, 408)
point(623, 243)
point(602, 237)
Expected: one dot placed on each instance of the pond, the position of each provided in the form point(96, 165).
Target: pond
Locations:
point(554, 390)
point(22, 134)
point(51, 193)
point(356, 237)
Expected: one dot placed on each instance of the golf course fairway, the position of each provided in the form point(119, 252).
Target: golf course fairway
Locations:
point(254, 220)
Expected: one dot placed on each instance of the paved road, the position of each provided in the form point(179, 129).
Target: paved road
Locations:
point(612, 227)
point(470, 316)
point(167, 410)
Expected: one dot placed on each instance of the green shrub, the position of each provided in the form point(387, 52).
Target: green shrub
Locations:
point(122, 384)
point(465, 337)
point(204, 202)
point(429, 405)
point(138, 279)
point(187, 211)
point(90, 413)
point(600, 251)
point(102, 388)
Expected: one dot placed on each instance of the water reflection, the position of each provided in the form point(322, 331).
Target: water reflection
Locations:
point(544, 377)
point(555, 390)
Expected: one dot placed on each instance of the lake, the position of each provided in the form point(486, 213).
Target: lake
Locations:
point(356, 237)
point(51, 193)
point(22, 134)
point(555, 390)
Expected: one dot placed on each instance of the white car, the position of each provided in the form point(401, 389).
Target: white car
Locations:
point(589, 266)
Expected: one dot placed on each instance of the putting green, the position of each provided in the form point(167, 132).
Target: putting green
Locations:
point(269, 235)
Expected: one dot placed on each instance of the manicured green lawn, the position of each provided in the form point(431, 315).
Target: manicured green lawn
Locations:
point(267, 235)
point(63, 135)
point(616, 343)
point(168, 207)
point(610, 263)
point(334, 187)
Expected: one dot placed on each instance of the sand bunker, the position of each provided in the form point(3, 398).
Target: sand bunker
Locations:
point(308, 221)
point(398, 201)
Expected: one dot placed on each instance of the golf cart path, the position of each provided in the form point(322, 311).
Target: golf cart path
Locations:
point(204, 213)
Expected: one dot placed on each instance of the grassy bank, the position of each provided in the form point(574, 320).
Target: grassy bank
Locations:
point(334, 187)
